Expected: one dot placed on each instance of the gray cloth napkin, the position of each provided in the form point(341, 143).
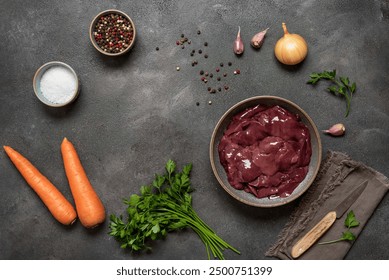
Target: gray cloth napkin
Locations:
point(338, 175)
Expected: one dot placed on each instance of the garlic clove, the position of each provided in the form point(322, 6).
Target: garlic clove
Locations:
point(238, 44)
point(336, 130)
point(257, 40)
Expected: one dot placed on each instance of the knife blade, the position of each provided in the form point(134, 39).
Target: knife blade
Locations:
point(321, 227)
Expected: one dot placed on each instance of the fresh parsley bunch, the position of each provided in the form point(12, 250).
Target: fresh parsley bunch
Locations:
point(341, 87)
point(162, 207)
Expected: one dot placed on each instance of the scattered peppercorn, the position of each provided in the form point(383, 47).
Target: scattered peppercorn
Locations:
point(213, 88)
point(113, 33)
point(197, 103)
point(157, 49)
point(181, 42)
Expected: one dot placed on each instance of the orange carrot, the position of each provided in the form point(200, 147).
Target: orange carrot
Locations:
point(89, 207)
point(57, 204)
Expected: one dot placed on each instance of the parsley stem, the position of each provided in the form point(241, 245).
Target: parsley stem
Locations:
point(330, 242)
point(348, 100)
point(196, 223)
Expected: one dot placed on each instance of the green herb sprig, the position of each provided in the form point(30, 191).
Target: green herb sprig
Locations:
point(341, 87)
point(162, 207)
point(349, 222)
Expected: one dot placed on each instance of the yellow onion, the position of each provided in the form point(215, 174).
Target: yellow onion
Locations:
point(291, 49)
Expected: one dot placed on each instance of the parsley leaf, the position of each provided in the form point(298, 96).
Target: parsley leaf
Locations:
point(351, 221)
point(341, 87)
point(348, 235)
point(162, 207)
point(170, 166)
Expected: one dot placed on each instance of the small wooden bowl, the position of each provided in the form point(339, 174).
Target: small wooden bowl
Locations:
point(92, 29)
point(249, 198)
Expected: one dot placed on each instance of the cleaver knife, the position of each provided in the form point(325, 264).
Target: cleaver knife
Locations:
point(321, 227)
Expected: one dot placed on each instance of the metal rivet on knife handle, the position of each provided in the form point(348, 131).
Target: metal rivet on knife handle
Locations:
point(313, 235)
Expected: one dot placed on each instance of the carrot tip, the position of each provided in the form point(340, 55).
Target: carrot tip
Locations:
point(73, 221)
point(94, 226)
point(65, 140)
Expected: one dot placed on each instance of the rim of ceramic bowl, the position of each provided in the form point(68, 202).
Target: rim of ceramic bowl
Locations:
point(91, 30)
point(47, 66)
point(282, 201)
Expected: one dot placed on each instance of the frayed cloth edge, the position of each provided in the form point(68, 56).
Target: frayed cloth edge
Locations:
point(300, 214)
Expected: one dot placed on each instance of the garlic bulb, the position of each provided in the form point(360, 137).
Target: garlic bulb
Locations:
point(291, 49)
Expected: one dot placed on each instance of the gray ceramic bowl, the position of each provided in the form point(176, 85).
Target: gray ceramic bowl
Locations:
point(249, 198)
point(37, 83)
point(92, 29)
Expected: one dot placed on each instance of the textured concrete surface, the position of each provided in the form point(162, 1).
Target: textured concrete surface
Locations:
point(137, 111)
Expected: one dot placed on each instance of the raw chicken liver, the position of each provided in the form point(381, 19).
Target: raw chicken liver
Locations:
point(266, 151)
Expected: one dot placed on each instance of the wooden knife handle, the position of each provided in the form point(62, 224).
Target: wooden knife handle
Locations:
point(313, 235)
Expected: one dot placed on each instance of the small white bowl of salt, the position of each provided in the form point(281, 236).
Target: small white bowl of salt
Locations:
point(56, 84)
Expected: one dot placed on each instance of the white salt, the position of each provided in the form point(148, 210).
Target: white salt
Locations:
point(58, 84)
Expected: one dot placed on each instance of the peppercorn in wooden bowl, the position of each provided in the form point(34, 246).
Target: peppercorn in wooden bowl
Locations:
point(112, 32)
